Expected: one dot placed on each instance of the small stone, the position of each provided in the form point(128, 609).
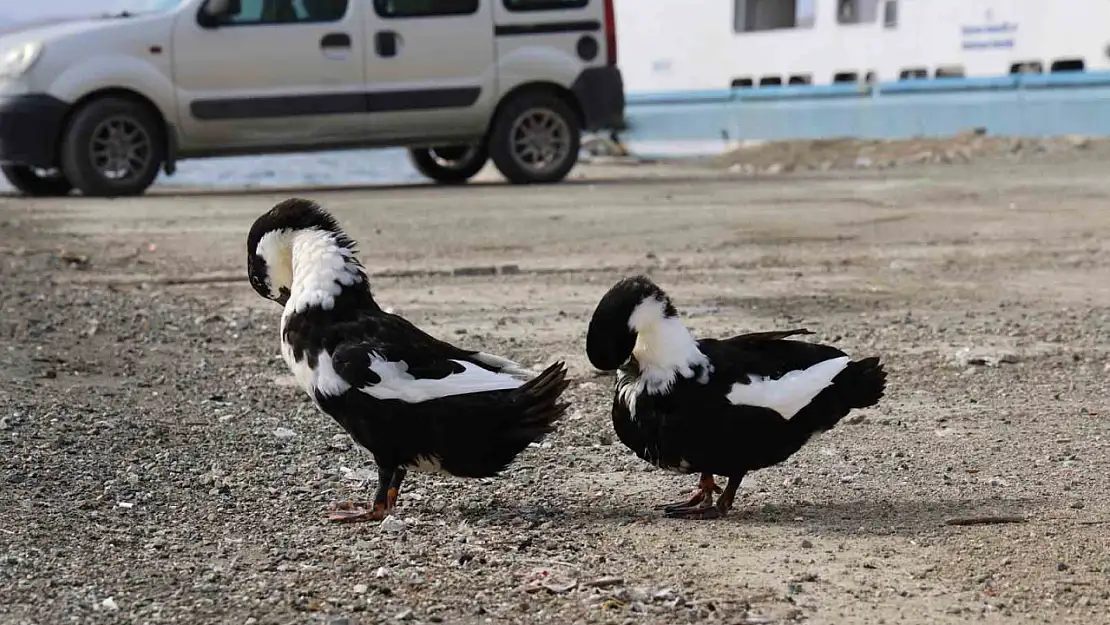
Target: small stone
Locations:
point(109, 604)
point(807, 544)
point(1077, 141)
point(1061, 567)
point(663, 595)
point(284, 433)
point(605, 582)
point(342, 620)
point(855, 418)
point(381, 572)
point(403, 615)
point(983, 356)
point(1077, 505)
point(361, 588)
point(392, 525)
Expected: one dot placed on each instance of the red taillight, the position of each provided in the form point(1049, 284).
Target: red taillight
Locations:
point(611, 32)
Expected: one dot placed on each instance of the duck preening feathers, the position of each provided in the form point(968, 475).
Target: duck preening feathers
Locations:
point(717, 406)
point(413, 401)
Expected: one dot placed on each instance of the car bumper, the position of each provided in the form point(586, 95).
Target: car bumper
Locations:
point(29, 128)
point(600, 91)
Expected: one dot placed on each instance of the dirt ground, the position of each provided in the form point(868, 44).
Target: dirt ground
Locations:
point(156, 465)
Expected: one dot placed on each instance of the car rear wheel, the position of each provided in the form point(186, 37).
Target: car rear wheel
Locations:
point(113, 147)
point(454, 164)
point(535, 139)
point(35, 182)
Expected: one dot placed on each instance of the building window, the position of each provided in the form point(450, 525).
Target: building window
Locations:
point(949, 71)
point(890, 14)
point(1027, 67)
point(751, 16)
point(1068, 65)
point(857, 11)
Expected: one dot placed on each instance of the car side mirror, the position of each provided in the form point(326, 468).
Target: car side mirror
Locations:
point(216, 12)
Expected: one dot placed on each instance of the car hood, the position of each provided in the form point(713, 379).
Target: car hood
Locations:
point(58, 28)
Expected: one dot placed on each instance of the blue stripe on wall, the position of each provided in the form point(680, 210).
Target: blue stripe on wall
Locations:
point(1031, 105)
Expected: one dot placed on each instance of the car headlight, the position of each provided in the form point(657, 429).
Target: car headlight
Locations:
point(15, 61)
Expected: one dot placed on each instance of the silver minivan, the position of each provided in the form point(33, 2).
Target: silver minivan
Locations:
point(101, 104)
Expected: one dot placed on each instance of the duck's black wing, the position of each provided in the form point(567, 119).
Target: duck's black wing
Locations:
point(770, 354)
point(766, 396)
point(485, 360)
point(407, 396)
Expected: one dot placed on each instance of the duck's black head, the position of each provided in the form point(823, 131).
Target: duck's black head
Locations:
point(270, 244)
point(631, 306)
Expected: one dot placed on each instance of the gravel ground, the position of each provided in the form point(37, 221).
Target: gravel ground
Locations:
point(156, 465)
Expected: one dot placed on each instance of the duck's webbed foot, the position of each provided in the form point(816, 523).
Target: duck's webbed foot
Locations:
point(385, 499)
point(703, 497)
point(710, 511)
point(362, 512)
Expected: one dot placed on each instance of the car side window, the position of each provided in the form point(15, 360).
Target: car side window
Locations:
point(544, 5)
point(256, 12)
point(424, 8)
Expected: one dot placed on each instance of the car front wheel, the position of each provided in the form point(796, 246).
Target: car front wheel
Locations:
point(112, 147)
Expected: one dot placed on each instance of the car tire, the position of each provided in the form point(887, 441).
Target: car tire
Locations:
point(535, 139)
point(33, 184)
point(113, 147)
point(454, 164)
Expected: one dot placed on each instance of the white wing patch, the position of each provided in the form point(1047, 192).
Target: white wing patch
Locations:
point(398, 383)
point(790, 393)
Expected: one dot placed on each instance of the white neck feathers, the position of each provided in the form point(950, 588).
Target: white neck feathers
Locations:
point(321, 269)
point(664, 348)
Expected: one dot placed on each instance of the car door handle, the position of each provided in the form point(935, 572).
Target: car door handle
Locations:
point(385, 43)
point(336, 40)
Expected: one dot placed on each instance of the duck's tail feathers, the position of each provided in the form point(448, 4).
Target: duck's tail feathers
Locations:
point(493, 437)
point(862, 383)
point(537, 404)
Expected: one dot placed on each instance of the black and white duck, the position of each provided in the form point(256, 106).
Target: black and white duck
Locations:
point(717, 406)
point(413, 401)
